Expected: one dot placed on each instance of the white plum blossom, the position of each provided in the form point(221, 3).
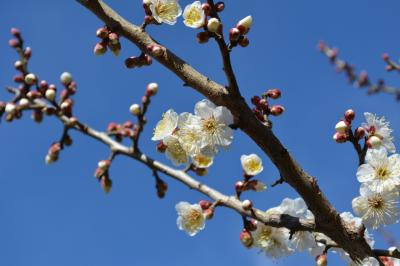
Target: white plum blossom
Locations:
point(189, 133)
point(297, 208)
point(166, 126)
point(273, 241)
point(376, 208)
point(379, 127)
point(215, 121)
point(175, 151)
point(381, 173)
point(190, 218)
point(194, 15)
point(165, 11)
point(251, 164)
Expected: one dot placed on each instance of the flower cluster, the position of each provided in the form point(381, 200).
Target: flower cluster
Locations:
point(196, 136)
point(379, 176)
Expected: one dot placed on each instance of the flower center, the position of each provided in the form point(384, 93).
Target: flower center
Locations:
point(193, 16)
point(382, 173)
point(166, 10)
point(193, 219)
point(376, 202)
point(252, 165)
point(265, 233)
point(210, 125)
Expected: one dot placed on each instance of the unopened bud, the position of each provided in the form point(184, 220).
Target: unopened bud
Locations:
point(28, 52)
point(132, 62)
point(18, 65)
point(342, 127)
point(30, 79)
point(273, 93)
point(234, 34)
point(205, 204)
point(104, 164)
point(24, 103)
point(202, 37)
point(152, 89)
point(244, 42)
point(244, 25)
point(37, 116)
point(100, 49)
point(340, 137)
point(239, 186)
point(277, 110)
point(50, 94)
point(213, 25)
point(360, 133)
point(247, 204)
point(114, 38)
point(115, 48)
point(220, 6)
point(246, 238)
point(207, 8)
point(257, 186)
point(15, 32)
point(374, 142)
point(106, 184)
point(135, 109)
point(66, 78)
point(349, 115)
point(10, 108)
point(112, 127)
point(102, 33)
point(161, 147)
point(14, 43)
point(321, 260)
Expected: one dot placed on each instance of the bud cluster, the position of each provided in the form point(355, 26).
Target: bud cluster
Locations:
point(343, 128)
point(262, 107)
point(212, 25)
point(120, 131)
point(102, 175)
point(109, 39)
point(237, 35)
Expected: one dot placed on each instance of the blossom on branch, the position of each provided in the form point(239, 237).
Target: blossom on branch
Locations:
point(190, 218)
point(165, 11)
point(251, 164)
point(194, 15)
point(380, 128)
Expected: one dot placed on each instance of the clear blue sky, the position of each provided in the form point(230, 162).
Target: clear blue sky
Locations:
point(57, 215)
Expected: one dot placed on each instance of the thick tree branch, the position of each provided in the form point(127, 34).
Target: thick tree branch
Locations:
point(327, 219)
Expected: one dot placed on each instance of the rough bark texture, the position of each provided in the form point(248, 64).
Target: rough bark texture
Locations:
point(327, 219)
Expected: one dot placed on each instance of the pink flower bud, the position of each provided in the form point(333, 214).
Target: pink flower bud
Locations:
point(205, 204)
point(239, 186)
point(152, 89)
point(102, 33)
point(273, 93)
point(234, 34)
point(207, 8)
point(277, 110)
point(114, 38)
point(349, 115)
point(18, 65)
point(112, 127)
point(14, 43)
point(340, 137)
point(28, 52)
point(104, 165)
point(132, 62)
point(220, 6)
point(321, 260)
point(106, 184)
point(244, 42)
point(33, 95)
point(15, 32)
point(208, 213)
point(255, 100)
point(202, 37)
point(100, 49)
point(246, 238)
point(360, 133)
point(385, 56)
